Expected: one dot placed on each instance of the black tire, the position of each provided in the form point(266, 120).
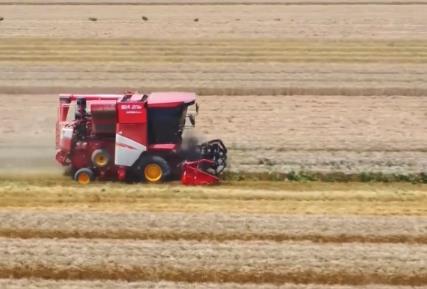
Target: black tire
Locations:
point(84, 176)
point(150, 161)
point(100, 158)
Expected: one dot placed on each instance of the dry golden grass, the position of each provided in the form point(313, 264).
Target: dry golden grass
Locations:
point(382, 200)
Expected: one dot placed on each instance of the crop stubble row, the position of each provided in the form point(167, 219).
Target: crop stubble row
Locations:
point(213, 226)
point(213, 262)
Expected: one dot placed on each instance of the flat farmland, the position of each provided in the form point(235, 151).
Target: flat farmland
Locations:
point(55, 234)
point(289, 85)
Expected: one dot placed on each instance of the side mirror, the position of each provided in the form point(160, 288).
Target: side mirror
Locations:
point(192, 119)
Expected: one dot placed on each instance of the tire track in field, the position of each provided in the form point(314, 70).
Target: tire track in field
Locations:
point(199, 275)
point(208, 236)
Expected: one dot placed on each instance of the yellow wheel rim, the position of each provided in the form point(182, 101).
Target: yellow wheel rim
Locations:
point(101, 160)
point(83, 179)
point(153, 173)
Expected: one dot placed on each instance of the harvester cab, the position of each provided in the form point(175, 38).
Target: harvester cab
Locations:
point(134, 137)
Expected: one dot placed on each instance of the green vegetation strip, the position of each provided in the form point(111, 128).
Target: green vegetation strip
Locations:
point(304, 176)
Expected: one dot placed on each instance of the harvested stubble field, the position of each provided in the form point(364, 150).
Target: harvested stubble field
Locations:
point(290, 85)
point(239, 235)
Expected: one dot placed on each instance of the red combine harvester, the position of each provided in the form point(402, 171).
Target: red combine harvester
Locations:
point(134, 137)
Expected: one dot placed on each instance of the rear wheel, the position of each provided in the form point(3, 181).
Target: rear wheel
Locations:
point(84, 176)
point(100, 158)
point(154, 169)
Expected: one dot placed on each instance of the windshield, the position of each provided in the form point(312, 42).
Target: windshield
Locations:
point(165, 125)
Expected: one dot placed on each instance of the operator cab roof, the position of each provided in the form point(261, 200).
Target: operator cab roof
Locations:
point(170, 99)
point(154, 99)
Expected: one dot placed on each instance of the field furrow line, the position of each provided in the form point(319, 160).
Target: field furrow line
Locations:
point(201, 236)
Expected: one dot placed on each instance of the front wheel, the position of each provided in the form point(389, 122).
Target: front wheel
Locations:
point(154, 169)
point(84, 176)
